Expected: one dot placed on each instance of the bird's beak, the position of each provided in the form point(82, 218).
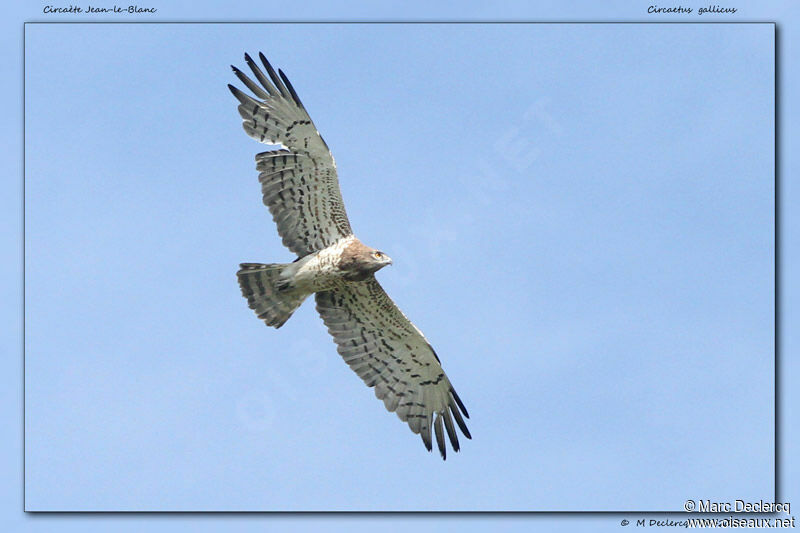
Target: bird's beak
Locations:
point(388, 260)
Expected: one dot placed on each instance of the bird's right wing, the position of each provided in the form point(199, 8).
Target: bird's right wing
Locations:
point(299, 182)
point(389, 353)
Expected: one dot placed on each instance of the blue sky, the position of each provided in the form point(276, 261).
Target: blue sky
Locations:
point(581, 221)
point(589, 248)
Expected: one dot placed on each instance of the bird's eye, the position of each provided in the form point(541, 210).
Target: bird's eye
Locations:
point(378, 255)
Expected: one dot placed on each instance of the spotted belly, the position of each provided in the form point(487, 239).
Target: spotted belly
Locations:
point(321, 270)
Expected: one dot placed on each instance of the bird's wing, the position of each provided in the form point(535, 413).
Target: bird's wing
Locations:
point(298, 183)
point(389, 353)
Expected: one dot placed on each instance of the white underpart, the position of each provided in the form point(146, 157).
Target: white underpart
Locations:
point(319, 271)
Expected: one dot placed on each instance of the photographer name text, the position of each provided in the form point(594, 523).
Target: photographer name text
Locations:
point(738, 506)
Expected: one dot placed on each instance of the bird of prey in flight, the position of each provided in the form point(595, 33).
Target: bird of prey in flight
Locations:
point(300, 187)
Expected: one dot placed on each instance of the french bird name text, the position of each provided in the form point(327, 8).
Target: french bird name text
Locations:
point(95, 9)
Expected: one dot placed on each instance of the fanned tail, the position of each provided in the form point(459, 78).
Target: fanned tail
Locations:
point(270, 296)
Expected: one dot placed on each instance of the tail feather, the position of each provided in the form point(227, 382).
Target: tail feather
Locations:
point(267, 294)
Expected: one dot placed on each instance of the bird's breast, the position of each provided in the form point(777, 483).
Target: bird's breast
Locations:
point(323, 270)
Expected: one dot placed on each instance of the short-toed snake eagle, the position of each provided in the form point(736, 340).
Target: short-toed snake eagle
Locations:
point(301, 189)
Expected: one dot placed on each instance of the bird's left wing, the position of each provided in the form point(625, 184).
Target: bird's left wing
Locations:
point(299, 183)
point(389, 353)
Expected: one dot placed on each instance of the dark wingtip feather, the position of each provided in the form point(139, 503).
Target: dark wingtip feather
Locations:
point(460, 421)
point(291, 88)
point(426, 439)
point(451, 430)
point(258, 91)
point(440, 437)
point(242, 97)
point(459, 402)
point(275, 78)
point(260, 76)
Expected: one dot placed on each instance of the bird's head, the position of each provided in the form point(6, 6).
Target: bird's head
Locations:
point(359, 261)
point(379, 260)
